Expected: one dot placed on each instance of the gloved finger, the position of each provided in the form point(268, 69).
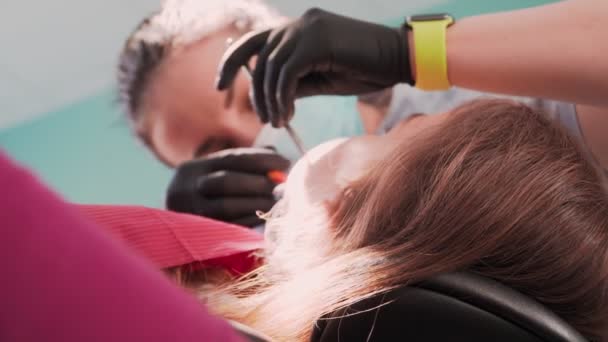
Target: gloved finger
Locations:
point(288, 83)
point(239, 54)
point(231, 208)
point(249, 221)
point(249, 160)
point(275, 62)
point(330, 84)
point(257, 90)
point(183, 202)
point(232, 183)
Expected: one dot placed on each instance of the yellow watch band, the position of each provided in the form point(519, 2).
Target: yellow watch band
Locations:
point(429, 33)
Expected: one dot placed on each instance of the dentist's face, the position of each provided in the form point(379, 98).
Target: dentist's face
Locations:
point(184, 116)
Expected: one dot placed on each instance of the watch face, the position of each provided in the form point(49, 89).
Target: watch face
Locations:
point(429, 17)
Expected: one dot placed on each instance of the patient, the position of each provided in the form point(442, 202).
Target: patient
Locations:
point(492, 187)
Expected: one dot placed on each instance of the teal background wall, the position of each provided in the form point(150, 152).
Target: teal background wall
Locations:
point(86, 152)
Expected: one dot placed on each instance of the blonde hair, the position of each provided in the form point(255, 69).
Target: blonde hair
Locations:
point(498, 190)
point(186, 21)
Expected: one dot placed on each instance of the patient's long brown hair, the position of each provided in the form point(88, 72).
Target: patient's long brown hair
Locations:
point(498, 190)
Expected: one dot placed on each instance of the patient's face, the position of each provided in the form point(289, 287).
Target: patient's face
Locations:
point(325, 170)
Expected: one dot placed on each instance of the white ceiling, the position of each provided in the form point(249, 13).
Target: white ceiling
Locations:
point(57, 52)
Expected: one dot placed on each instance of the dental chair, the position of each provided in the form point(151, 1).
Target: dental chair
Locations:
point(453, 307)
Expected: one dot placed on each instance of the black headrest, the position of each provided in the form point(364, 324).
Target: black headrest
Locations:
point(451, 307)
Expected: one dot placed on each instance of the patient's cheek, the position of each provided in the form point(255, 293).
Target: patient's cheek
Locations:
point(313, 177)
point(330, 167)
point(361, 154)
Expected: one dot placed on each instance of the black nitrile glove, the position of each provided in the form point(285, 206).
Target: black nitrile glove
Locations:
point(319, 54)
point(230, 185)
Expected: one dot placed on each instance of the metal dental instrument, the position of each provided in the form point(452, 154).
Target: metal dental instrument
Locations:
point(296, 139)
point(292, 133)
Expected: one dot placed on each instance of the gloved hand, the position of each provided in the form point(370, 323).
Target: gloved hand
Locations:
point(230, 185)
point(319, 54)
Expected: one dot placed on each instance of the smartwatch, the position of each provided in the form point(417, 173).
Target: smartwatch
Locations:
point(430, 52)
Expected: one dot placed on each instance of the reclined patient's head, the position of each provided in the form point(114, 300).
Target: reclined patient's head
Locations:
point(492, 187)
